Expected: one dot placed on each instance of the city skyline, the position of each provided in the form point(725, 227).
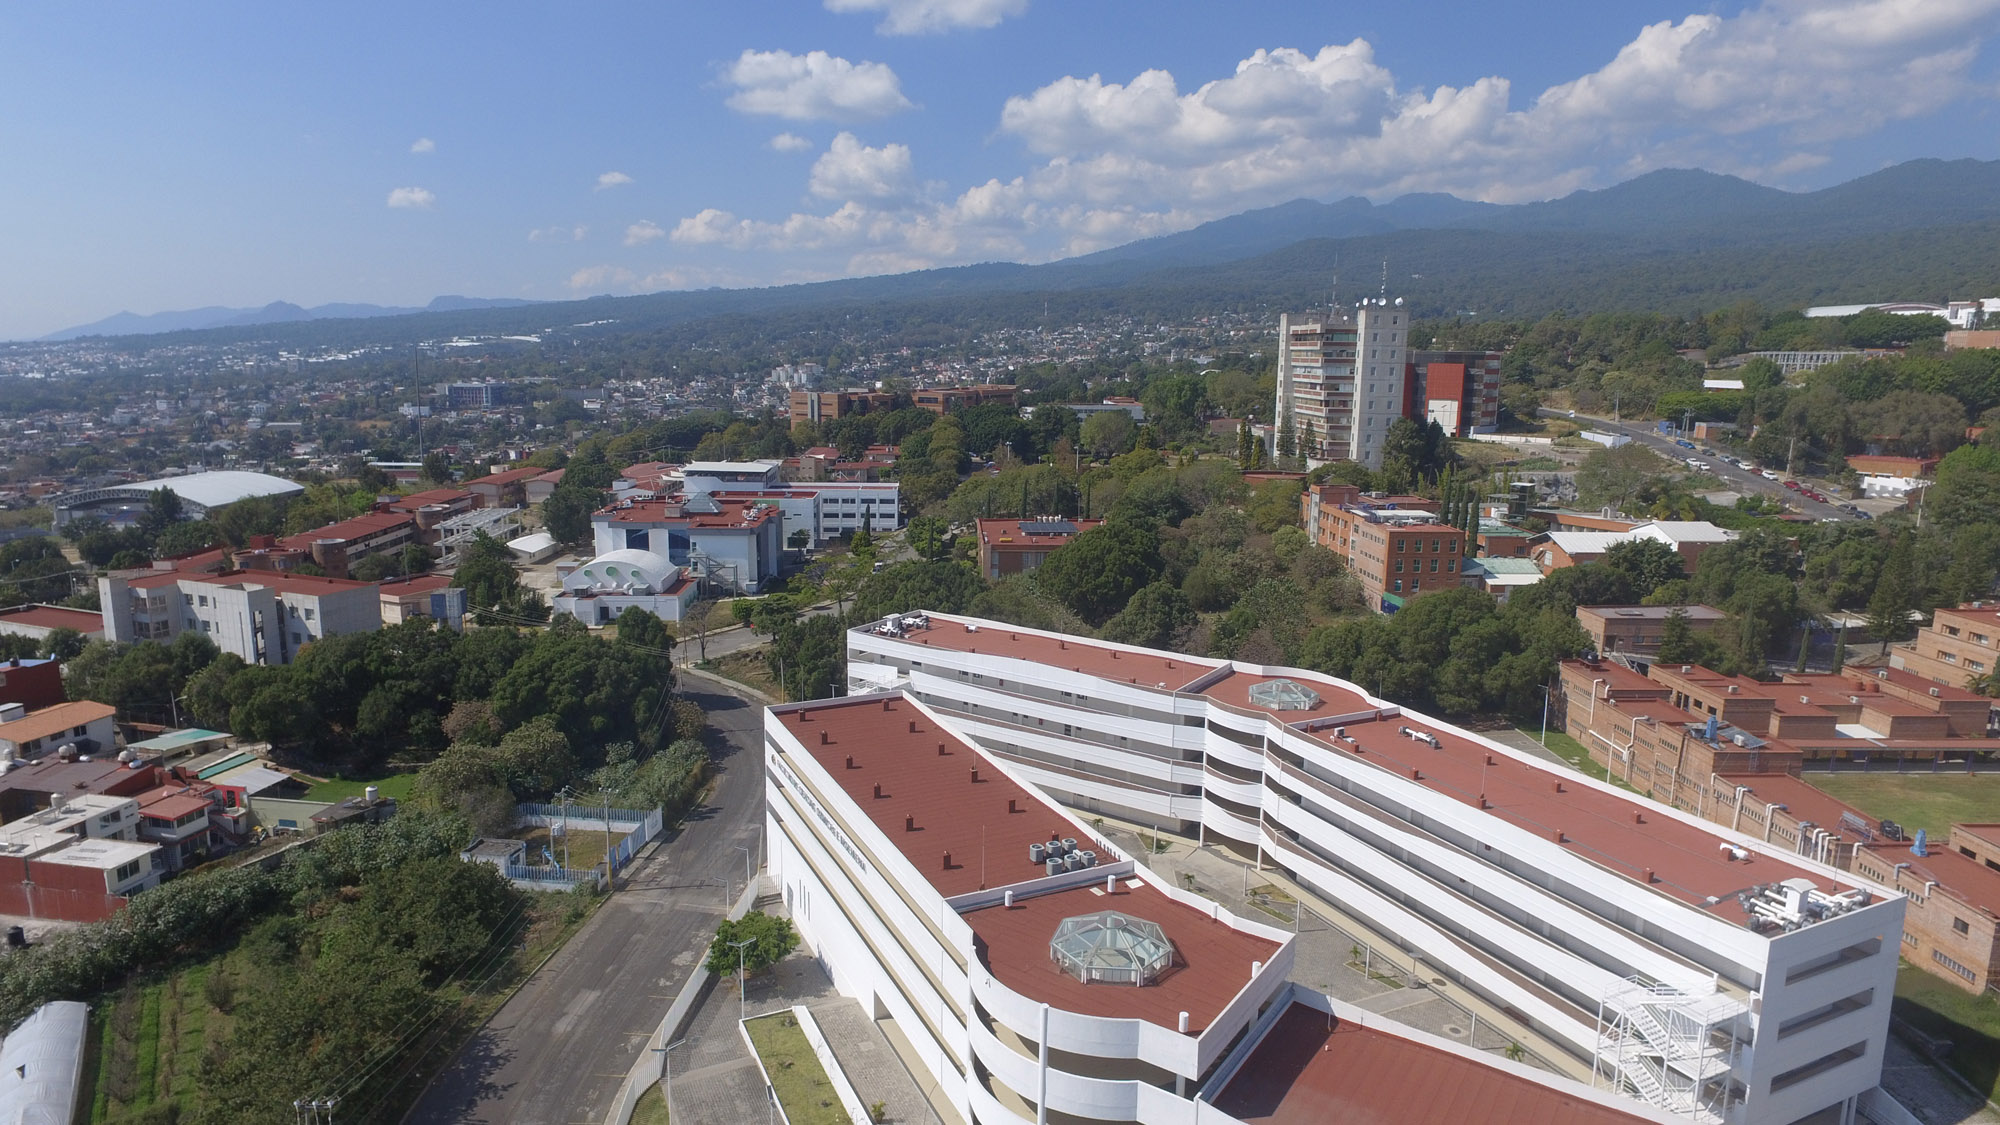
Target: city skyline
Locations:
point(236, 157)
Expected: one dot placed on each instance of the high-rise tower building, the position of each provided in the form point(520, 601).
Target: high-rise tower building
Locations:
point(1340, 379)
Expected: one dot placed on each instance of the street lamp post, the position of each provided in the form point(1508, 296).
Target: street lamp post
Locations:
point(667, 1061)
point(749, 864)
point(1545, 716)
point(742, 991)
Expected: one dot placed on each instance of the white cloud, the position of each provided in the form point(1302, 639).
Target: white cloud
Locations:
point(849, 169)
point(642, 232)
point(790, 142)
point(1762, 93)
point(602, 278)
point(558, 234)
point(412, 197)
point(814, 86)
point(612, 179)
point(920, 17)
point(423, 145)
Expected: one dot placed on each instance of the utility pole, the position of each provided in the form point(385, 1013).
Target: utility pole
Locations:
point(610, 871)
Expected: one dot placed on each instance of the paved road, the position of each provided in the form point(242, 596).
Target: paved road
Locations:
point(1742, 480)
point(556, 1052)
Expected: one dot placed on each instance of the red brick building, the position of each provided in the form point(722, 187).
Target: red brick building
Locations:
point(1018, 546)
point(1396, 545)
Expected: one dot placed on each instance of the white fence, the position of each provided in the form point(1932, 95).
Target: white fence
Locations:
point(638, 827)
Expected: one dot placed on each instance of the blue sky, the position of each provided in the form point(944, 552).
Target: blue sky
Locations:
point(171, 156)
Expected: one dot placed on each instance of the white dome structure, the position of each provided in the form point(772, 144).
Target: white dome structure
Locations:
point(625, 571)
point(632, 578)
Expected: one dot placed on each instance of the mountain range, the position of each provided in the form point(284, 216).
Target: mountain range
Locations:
point(277, 312)
point(1674, 240)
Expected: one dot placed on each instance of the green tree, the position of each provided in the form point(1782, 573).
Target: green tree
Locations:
point(1107, 433)
point(566, 513)
point(1158, 616)
point(770, 938)
point(1613, 478)
point(928, 536)
point(1096, 573)
point(1647, 563)
point(1896, 594)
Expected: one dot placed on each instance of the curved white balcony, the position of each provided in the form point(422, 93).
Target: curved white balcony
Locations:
point(1215, 818)
point(1094, 1036)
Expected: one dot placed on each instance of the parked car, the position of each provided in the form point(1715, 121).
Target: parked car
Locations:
point(1793, 485)
point(1767, 474)
point(1684, 443)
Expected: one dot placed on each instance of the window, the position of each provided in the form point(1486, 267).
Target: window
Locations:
point(1820, 1065)
point(1825, 1012)
point(1401, 544)
point(1399, 566)
point(203, 600)
point(1451, 565)
point(1954, 966)
point(1399, 586)
point(125, 871)
point(1808, 969)
point(1958, 926)
point(309, 615)
point(1434, 566)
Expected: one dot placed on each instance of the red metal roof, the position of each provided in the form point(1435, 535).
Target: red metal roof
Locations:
point(1078, 654)
point(53, 617)
point(949, 811)
point(1306, 1072)
point(1007, 534)
point(1211, 963)
point(1626, 835)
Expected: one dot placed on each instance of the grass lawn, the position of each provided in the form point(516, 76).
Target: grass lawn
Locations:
point(586, 845)
point(651, 1108)
point(395, 786)
point(803, 1088)
point(1971, 1022)
point(1572, 751)
point(750, 668)
point(1918, 800)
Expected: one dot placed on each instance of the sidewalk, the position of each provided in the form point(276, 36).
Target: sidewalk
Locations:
point(716, 1080)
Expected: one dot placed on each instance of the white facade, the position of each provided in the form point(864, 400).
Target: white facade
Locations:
point(1680, 1005)
point(262, 617)
point(1343, 375)
point(891, 940)
point(597, 592)
point(844, 507)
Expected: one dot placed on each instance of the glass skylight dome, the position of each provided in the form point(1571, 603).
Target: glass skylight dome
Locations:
point(1284, 695)
point(1112, 948)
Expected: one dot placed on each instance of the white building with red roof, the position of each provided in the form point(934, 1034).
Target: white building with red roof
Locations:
point(263, 616)
point(1040, 974)
point(1695, 968)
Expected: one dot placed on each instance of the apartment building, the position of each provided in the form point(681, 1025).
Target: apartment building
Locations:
point(826, 406)
point(1697, 969)
point(1036, 973)
point(947, 400)
point(85, 726)
point(1397, 546)
point(1959, 644)
point(1460, 391)
point(264, 617)
point(506, 489)
point(1635, 630)
point(1019, 546)
point(1341, 379)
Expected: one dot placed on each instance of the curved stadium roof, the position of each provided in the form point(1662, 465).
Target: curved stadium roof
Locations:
point(200, 492)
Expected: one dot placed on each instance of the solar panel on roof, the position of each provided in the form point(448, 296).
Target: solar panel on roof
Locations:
point(1047, 527)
